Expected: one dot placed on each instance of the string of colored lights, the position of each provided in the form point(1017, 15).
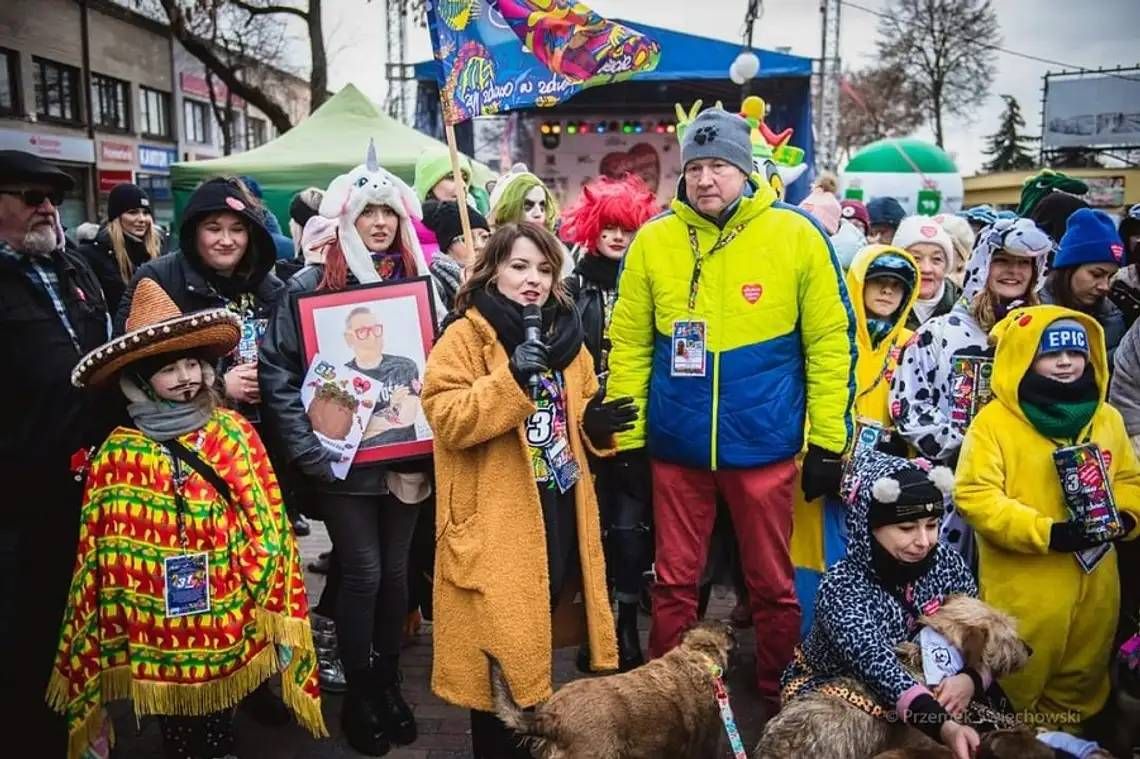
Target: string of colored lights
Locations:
point(607, 127)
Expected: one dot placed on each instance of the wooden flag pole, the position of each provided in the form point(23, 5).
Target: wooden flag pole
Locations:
point(457, 172)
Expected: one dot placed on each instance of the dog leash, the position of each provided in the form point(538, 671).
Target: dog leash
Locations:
point(726, 715)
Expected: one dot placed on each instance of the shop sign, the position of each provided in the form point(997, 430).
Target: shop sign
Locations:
point(196, 85)
point(116, 152)
point(108, 178)
point(155, 158)
point(50, 146)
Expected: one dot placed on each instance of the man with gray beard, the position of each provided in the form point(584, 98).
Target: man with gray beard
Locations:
point(51, 313)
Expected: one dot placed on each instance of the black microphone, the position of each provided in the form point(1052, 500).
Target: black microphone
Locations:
point(532, 331)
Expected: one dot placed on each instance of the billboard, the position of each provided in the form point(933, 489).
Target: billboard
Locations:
point(587, 153)
point(1101, 110)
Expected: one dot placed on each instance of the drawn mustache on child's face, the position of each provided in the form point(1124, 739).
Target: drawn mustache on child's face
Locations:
point(186, 389)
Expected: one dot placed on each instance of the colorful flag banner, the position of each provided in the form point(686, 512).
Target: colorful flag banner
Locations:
point(565, 48)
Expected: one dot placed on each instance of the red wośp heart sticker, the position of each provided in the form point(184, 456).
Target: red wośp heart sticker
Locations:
point(752, 292)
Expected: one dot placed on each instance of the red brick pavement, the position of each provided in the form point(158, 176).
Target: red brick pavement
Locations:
point(444, 729)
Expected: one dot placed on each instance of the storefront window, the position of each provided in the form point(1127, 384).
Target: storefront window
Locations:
point(73, 212)
point(157, 188)
point(154, 112)
point(110, 102)
point(57, 90)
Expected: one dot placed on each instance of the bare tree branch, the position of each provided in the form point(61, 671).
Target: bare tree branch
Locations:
point(262, 10)
point(944, 48)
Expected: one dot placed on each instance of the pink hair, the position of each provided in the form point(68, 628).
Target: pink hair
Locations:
point(627, 203)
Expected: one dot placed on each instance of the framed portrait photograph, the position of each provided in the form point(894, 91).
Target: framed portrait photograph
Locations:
point(380, 335)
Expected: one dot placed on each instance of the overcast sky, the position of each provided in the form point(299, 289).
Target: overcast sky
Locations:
point(1092, 33)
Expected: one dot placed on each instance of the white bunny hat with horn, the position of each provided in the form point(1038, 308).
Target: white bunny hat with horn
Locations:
point(371, 184)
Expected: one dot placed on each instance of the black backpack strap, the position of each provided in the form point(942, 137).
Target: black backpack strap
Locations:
point(191, 459)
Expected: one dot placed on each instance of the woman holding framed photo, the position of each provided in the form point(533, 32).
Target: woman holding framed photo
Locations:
point(371, 528)
point(519, 563)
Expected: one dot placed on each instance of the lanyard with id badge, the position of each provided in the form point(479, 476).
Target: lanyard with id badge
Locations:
point(1088, 497)
point(185, 577)
point(546, 434)
point(689, 343)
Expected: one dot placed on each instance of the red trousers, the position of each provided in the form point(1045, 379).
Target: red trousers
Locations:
point(684, 510)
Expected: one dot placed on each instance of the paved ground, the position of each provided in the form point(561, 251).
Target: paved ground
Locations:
point(444, 729)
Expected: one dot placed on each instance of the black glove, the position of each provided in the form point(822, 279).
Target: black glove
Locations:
point(823, 471)
point(603, 418)
point(1128, 523)
point(1068, 537)
point(528, 359)
point(317, 463)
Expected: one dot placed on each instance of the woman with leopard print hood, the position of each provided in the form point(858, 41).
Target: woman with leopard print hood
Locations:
point(933, 395)
point(895, 571)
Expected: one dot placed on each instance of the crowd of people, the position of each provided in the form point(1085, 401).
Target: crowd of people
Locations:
point(862, 412)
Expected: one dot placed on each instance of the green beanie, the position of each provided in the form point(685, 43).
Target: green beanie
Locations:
point(434, 165)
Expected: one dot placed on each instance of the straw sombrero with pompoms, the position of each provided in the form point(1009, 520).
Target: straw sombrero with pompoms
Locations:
point(157, 326)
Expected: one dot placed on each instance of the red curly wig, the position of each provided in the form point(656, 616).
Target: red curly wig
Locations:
point(627, 203)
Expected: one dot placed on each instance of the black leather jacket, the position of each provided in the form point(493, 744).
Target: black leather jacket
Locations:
point(589, 300)
point(191, 291)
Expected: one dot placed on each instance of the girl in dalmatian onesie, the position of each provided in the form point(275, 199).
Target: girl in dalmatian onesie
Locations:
point(922, 391)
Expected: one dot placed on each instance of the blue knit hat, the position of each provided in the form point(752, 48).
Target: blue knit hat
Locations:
point(1090, 238)
point(716, 133)
point(1064, 335)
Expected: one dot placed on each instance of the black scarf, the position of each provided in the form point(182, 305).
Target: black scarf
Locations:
point(599, 270)
point(561, 327)
point(1043, 391)
point(894, 574)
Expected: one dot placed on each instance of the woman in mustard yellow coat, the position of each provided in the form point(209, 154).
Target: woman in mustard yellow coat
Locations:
point(517, 524)
point(1009, 491)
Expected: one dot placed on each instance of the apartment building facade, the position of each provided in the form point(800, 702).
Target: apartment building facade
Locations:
point(109, 96)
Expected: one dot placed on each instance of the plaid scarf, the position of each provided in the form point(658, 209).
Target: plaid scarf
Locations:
point(116, 640)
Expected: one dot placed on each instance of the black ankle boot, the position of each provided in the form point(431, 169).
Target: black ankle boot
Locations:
point(629, 645)
point(359, 720)
point(395, 715)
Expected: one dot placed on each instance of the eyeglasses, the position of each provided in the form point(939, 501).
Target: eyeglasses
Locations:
point(35, 198)
point(372, 330)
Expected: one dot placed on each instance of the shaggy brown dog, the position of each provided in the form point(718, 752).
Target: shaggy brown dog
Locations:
point(827, 727)
point(664, 709)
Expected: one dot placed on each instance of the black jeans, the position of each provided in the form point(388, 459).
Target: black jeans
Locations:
point(625, 513)
point(371, 536)
point(421, 564)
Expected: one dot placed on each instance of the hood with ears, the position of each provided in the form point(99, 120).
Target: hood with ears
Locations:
point(1018, 337)
point(870, 467)
point(371, 184)
point(1017, 237)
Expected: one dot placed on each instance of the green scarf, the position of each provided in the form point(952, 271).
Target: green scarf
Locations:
point(1057, 409)
point(1060, 420)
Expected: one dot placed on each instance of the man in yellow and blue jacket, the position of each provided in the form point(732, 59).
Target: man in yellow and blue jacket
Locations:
point(732, 328)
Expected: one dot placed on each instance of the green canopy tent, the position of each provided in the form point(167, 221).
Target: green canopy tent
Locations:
point(329, 142)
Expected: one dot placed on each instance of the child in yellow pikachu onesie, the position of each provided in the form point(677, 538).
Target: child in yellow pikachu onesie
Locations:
point(1049, 382)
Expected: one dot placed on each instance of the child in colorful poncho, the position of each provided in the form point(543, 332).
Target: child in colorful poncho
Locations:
point(188, 591)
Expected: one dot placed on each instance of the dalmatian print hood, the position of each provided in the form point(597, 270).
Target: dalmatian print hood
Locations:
point(1017, 237)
